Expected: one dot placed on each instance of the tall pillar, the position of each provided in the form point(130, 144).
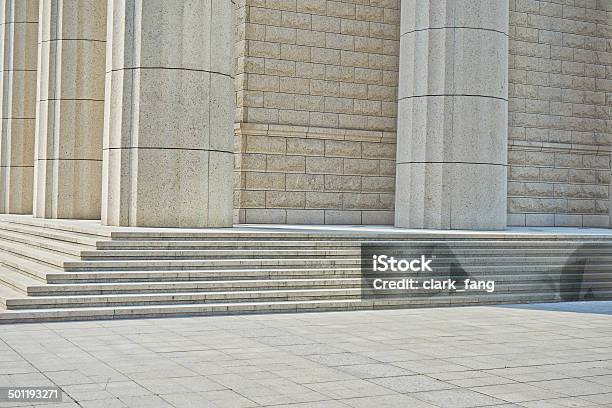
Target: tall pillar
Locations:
point(18, 36)
point(70, 111)
point(168, 136)
point(452, 115)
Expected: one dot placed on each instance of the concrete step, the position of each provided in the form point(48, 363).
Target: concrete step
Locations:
point(501, 289)
point(155, 264)
point(82, 228)
point(461, 299)
point(28, 266)
point(7, 293)
point(16, 280)
point(301, 280)
point(501, 286)
point(52, 234)
point(40, 255)
point(549, 242)
point(37, 242)
point(508, 269)
point(182, 298)
point(501, 252)
point(468, 260)
point(236, 243)
point(188, 286)
point(127, 312)
point(210, 274)
point(169, 264)
point(204, 254)
point(80, 270)
point(224, 244)
point(239, 253)
point(37, 315)
point(482, 271)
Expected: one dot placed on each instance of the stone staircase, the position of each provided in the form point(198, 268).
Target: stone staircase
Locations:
point(69, 271)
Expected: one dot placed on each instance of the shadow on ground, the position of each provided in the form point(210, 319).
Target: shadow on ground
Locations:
point(597, 307)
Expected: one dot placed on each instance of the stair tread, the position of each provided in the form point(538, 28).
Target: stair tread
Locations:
point(41, 255)
point(151, 263)
point(59, 234)
point(100, 272)
point(7, 293)
point(34, 290)
point(128, 311)
point(69, 248)
point(28, 266)
point(11, 316)
point(185, 294)
point(65, 227)
point(17, 279)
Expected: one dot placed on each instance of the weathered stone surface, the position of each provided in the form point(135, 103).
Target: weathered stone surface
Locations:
point(558, 67)
point(316, 175)
point(168, 142)
point(18, 59)
point(70, 98)
point(452, 115)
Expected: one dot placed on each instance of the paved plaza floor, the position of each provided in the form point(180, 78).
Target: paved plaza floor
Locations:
point(451, 357)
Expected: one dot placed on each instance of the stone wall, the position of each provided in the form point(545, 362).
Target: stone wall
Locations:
point(560, 127)
point(316, 94)
point(316, 87)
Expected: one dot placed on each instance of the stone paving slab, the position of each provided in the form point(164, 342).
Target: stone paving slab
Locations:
point(446, 358)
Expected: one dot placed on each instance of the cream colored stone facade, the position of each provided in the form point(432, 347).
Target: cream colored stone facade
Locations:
point(560, 126)
point(316, 86)
point(504, 112)
point(558, 92)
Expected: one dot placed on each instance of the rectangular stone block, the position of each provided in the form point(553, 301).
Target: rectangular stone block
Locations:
point(377, 217)
point(252, 199)
point(265, 144)
point(286, 164)
point(283, 199)
point(540, 220)
point(305, 182)
point(596, 221)
point(305, 147)
point(264, 181)
point(342, 183)
point(324, 165)
point(265, 216)
point(378, 184)
point(568, 220)
point(516, 220)
point(306, 217)
point(363, 201)
point(323, 200)
point(342, 217)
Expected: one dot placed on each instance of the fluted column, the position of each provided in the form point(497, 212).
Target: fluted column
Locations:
point(70, 111)
point(452, 114)
point(18, 36)
point(168, 137)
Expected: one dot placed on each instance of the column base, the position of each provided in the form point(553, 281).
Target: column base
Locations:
point(451, 196)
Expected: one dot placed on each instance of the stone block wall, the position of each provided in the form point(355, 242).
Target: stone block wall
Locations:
point(316, 94)
point(307, 175)
point(560, 123)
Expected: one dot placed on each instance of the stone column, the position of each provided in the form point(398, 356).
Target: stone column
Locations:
point(70, 111)
point(18, 35)
point(168, 136)
point(452, 115)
